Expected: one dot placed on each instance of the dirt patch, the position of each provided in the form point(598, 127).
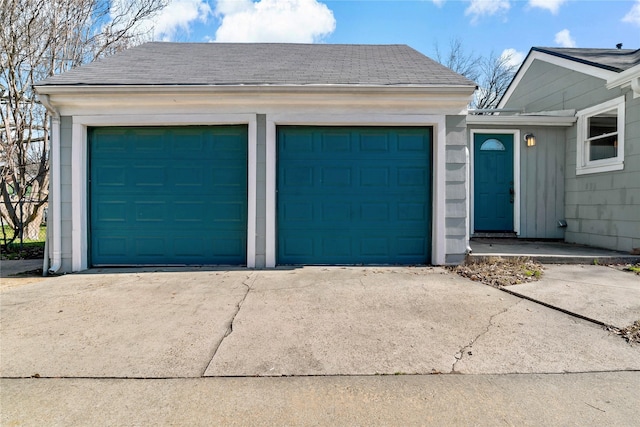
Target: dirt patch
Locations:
point(30, 250)
point(498, 272)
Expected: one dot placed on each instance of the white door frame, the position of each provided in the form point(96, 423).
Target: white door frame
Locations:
point(79, 170)
point(437, 122)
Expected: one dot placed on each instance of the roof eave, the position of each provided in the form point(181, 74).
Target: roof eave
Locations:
point(266, 88)
point(630, 77)
point(521, 120)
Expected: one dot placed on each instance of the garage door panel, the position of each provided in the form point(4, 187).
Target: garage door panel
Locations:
point(335, 142)
point(374, 142)
point(353, 195)
point(180, 201)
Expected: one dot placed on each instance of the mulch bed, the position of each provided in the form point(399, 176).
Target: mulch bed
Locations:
point(498, 272)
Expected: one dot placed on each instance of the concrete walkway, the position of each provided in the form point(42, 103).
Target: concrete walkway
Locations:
point(10, 267)
point(548, 252)
point(587, 399)
point(606, 294)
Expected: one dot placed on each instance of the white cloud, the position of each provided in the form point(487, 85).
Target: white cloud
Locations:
point(512, 57)
point(551, 5)
point(301, 21)
point(633, 16)
point(478, 8)
point(438, 3)
point(177, 15)
point(564, 39)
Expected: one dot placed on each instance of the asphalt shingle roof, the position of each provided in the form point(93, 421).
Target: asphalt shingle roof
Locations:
point(160, 63)
point(617, 60)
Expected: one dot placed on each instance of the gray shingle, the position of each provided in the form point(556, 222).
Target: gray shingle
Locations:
point(610, 59)
point(160, 63)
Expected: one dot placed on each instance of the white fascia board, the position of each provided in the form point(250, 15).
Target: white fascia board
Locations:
point(630, 77)
point(555, 60)
point(521, 120)
point(198, 89)
point(624, 77)
point(159, 103)
point(134, 99)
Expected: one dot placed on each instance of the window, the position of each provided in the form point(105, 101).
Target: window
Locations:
point(601, 138)
point(492, 145)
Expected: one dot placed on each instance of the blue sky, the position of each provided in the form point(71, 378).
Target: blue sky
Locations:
point(483, 26)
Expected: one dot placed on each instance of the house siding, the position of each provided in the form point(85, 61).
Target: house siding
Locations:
point(66, 123)
point(603, 209)
point(552, 87)
point(261, 192)
point(456, 190)
point(542, 184)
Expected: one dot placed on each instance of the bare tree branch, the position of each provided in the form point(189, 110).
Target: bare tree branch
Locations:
point(492, 74)
point(39, 39)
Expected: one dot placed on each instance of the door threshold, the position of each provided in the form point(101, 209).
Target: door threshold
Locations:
point(494, 235)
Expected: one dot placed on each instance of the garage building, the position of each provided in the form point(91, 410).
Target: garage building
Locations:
point(258, 155)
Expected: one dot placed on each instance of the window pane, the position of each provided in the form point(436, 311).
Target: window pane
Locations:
point(603, 123)
point(603, 148)
point(492, 145)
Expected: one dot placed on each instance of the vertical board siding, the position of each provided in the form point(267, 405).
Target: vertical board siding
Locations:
point(261, 179)
point(66, 124)
point(541, 182)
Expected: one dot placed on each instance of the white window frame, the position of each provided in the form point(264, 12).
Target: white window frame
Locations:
point(583, 164)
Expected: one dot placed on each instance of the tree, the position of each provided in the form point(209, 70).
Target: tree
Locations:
point(493, 74)
point(39, 39)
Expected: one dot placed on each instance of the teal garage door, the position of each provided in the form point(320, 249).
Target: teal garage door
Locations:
point(353, 195)
point(168, 195)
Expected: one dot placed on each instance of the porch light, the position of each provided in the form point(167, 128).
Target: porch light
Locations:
point(530, 139)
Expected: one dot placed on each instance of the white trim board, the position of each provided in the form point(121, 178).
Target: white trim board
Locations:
point(79, 171)
point(516, 174)
point(437, 122)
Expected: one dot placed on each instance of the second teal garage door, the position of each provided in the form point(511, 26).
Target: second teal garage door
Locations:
point(353, 195)
point(168, 195)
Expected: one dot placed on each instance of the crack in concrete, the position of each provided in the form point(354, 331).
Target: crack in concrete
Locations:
point(248, 283)
point(460, 354)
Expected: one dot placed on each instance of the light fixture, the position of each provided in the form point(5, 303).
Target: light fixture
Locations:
point(530, 139)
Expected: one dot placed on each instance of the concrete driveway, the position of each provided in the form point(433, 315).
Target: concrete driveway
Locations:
point(181, 323)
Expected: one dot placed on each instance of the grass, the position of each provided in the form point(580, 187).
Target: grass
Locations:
point(634, 268)
point(30, 249)
point(8, 231)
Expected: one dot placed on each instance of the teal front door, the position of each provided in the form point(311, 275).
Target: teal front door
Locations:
point(353, 195)
point(168, 195)
point(494, 191)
